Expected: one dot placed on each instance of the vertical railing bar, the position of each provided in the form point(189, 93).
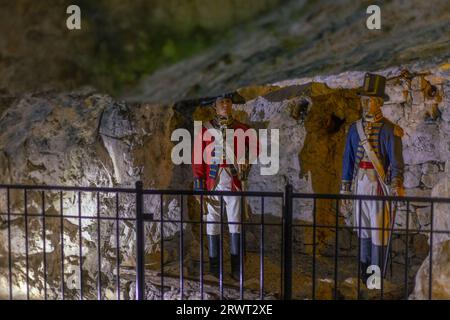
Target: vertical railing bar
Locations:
point(383, 253)
point(201, 247)
point(44, 245)
point(282, 259)
point(62, 243)
point(221, 250)
point(99, 255)
point(359, 251)
point(8, 209)
point(261, 253)
point(314, 252)
point(162, 245)
point(336, 252)
point(390, 255)
point(407, 249)
point(430, 279)
point(80, 245)
point(282, 249)
point(181, 250)
point(241, 252)
point(26, 244)
point(117, 247)
point(140, 244)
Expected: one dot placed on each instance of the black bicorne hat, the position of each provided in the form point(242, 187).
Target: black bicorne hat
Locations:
point(374, 86)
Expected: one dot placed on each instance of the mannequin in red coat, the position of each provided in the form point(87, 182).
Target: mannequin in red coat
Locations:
point(216, 172)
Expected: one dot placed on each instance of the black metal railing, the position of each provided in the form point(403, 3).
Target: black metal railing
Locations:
point(289, 264)
point(407, 231)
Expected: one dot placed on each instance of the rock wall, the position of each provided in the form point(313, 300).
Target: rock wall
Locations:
point(87, 139)
point(439, 256)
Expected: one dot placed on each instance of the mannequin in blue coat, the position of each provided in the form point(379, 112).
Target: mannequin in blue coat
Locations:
point(359, 175)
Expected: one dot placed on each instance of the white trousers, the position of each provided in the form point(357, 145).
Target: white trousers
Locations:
point(371, 215)
point(231, 205)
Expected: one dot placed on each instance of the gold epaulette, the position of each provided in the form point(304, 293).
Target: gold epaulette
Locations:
point(398, 131)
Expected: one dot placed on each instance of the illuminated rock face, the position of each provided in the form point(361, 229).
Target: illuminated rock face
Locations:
point(440, 274)
point(87, 139)
point(441, 249)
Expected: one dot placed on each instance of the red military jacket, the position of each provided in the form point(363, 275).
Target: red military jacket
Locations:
point(205, 173)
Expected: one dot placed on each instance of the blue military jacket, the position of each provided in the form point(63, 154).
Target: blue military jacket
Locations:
point(385, 139)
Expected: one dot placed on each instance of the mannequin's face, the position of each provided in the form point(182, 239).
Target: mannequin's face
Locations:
point(370, 105)
point(224, 106)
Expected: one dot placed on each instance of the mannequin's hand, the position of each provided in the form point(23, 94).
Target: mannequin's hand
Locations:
point(345, 206)
point(346, 202)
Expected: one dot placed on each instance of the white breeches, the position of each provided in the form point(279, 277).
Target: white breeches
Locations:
point(231, 205)
point(371, 215)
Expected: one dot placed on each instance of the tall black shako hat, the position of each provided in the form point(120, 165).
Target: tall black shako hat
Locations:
point(374, 86)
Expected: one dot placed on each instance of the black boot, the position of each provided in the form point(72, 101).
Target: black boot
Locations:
point(213, 245)
point(214, 267)
point(235, 239)
point(365, 255)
